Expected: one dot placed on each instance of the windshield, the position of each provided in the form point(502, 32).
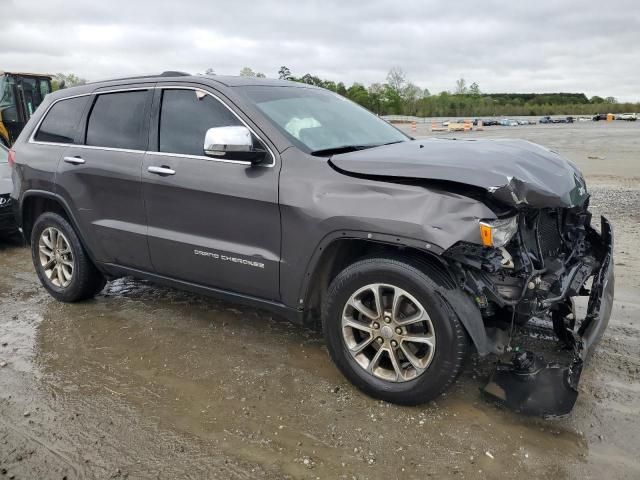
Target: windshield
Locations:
point(317, 120)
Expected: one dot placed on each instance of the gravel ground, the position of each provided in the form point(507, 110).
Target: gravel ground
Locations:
point(147, 382)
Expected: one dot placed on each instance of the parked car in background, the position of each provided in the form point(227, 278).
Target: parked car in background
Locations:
point(546, 119)
point(562, 120)
point(629, 117)
point(508, 122)
point(490, 122)
point(7, 220)
point(294, 199)
point(600, 116)
point(524, 121)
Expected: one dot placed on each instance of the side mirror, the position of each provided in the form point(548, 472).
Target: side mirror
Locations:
point(234, 143)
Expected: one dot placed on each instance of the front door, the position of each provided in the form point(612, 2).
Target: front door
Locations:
point(213, 222)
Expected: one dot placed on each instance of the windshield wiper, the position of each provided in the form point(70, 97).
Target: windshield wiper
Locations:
point(342, 149)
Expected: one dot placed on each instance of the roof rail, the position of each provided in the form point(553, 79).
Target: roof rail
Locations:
point(168, 73)
point(172, 73)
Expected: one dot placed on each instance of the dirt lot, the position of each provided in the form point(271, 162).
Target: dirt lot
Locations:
point(146, 382)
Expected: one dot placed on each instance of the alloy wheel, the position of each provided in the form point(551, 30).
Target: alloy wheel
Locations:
point(56, 257)
point(388, 332)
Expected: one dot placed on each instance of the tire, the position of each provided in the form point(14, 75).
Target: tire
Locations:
point(450, 343)
point(84, 281)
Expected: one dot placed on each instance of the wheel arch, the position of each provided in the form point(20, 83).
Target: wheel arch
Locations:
point(36, 202)
point(339, 251)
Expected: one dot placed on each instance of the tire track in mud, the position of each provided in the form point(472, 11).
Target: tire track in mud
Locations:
point(76, 468)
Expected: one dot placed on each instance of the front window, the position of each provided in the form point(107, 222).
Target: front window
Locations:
point(185, 117)
point(317, 120)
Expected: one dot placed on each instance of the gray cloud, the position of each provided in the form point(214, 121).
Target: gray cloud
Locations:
point(547, 45)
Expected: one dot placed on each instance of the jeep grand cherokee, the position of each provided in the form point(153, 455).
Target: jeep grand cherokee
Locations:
point(412, 253)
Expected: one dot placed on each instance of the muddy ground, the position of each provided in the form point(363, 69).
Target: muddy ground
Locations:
point(147, 382)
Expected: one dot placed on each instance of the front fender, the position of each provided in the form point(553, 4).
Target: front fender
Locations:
point(319, 204)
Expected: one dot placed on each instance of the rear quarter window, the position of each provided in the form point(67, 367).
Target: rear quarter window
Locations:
point(60, 123)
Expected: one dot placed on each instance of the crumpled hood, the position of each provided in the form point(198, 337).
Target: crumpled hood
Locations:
point(515, 172)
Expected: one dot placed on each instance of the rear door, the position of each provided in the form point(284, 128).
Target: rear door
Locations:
point(100, 178)
point(212, 221)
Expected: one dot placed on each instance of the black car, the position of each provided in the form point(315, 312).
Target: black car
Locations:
point(7, 220)
point(410, 254)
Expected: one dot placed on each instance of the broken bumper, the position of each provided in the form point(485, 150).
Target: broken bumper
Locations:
point(527, 384)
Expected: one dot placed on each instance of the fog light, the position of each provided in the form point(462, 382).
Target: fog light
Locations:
point(497, 233)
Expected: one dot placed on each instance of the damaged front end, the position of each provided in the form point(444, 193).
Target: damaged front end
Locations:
point(535, 270)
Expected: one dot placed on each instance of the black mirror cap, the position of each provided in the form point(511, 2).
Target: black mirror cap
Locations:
point(258, 156)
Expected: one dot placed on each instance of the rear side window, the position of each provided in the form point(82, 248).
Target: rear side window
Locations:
point(59, 126)
point(185, 117)
point(117, 120)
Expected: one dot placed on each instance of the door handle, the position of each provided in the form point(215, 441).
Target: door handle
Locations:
point(161, 170)
point(74, 160)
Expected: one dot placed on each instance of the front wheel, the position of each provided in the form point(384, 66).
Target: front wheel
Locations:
point(61, 262)
point(391, 333)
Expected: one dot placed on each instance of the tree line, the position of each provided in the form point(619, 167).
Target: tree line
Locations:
point(399, 96)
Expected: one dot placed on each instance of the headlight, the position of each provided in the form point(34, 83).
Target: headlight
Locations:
point(497, 233)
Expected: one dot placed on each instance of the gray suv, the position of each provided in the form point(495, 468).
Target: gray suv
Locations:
point(410, 253)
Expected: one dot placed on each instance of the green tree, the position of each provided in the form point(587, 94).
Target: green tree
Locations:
point(65, 80)
point(474, 89)
point(392, 100)
point(311, 80)
point(376, 93)
point(358, 94)
point(247, 72)
point(410, 96)
point(330, 85)
point(284, 73)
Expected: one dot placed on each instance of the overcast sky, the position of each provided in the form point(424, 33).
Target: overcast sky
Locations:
point(507, 46)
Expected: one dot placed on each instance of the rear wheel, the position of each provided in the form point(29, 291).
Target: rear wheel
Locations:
point(390, 332)
point(61, 262)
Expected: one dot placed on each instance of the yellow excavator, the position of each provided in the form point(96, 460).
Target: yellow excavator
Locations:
point(20, 95)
